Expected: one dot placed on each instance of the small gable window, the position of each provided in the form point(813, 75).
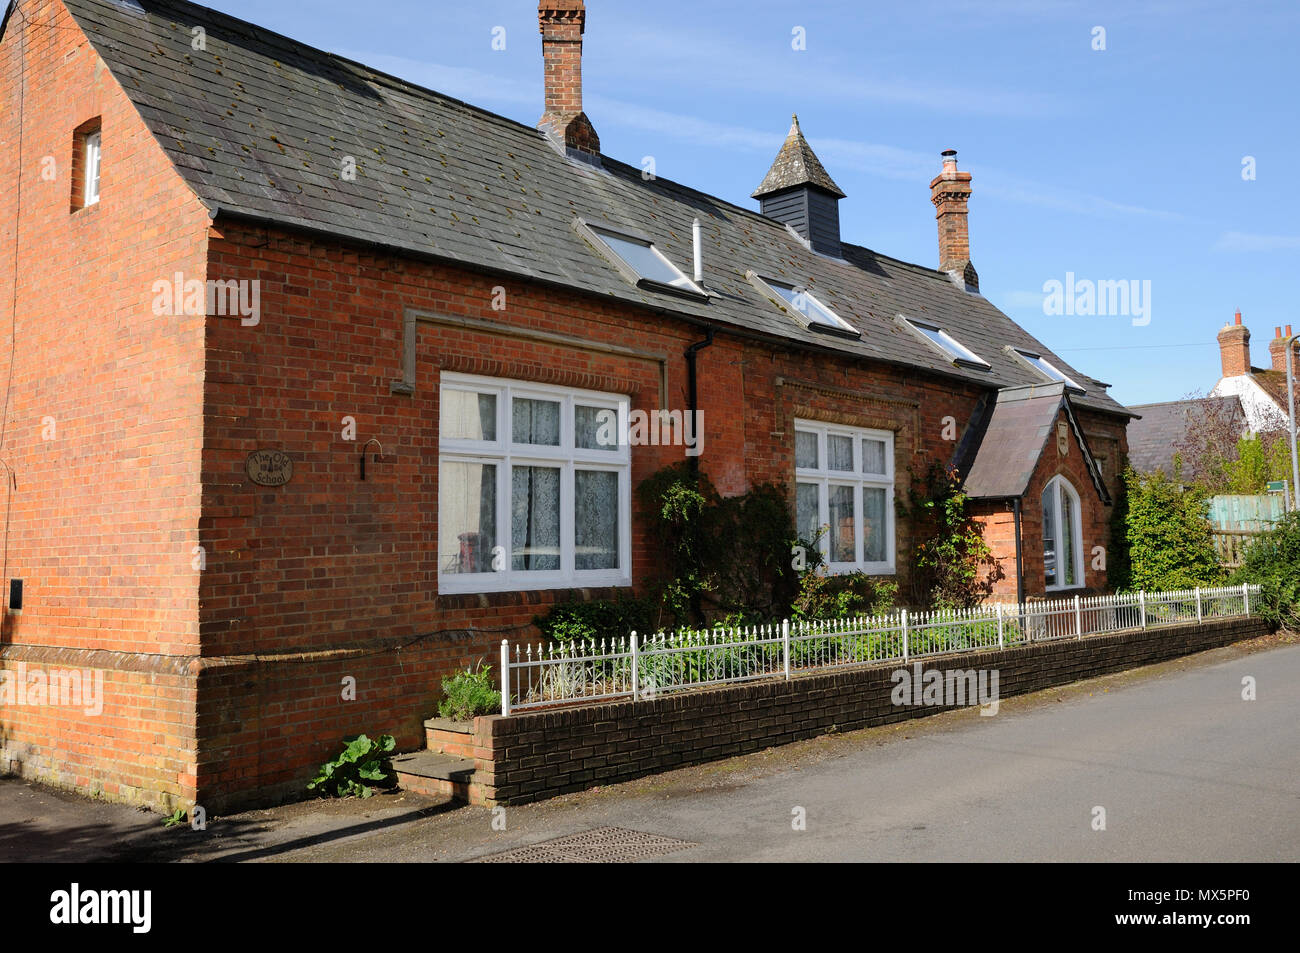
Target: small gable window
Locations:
point(92, 168)
point(642, 263)
point(86, 165)
point(1062, 536)
point(1048, 369)
point(957, 352)
point(803, 307)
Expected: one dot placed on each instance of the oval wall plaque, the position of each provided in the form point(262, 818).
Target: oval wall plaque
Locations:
point(269, 467)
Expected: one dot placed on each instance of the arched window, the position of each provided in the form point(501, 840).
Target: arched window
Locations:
point(1062, 535)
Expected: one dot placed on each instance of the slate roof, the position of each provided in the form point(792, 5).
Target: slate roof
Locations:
point(1011, 436)
point(795, 165)
point(1163, 427)
point(259, 126)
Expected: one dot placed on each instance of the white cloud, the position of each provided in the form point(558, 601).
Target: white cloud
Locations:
point(703, 60)
point(1250, 242)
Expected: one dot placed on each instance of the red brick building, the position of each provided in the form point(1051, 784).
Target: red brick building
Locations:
point(308, 369)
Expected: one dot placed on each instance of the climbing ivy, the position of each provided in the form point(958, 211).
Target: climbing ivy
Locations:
point(954, 568)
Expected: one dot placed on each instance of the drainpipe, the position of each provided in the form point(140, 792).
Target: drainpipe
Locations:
point(692, 388)
point(1020, 565)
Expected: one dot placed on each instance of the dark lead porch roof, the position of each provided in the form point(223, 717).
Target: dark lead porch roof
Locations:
point(1010, 434)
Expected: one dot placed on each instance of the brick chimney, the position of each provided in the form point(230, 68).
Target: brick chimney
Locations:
point(562, 23)
point(950, 191)
point(1234, 348)
point(1277, 350)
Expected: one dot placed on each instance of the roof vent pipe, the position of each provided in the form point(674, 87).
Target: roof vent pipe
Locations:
point(697, 240)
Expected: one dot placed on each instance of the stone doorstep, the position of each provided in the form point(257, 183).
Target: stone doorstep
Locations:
point(438, 775)
point(433, 764)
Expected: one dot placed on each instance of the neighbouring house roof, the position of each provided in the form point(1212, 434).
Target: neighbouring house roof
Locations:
point(1273, 383)
point(1163, 428)
point(795, 165)
point(1009, 435)
point(259, 126)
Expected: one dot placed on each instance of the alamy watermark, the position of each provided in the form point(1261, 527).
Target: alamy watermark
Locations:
point(651, 428)
point(74, 906)
point(955, 688)
point(1121, 298)
point(57, 687)
point(212, 297)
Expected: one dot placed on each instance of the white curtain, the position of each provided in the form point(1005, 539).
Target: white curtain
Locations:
point(467, 506)
point(535, 518)
point(596, 519)
point(875, 525)
point(536, 421)
point(843, 518)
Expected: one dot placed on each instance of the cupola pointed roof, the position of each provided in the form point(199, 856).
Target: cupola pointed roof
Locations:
point(796, 164)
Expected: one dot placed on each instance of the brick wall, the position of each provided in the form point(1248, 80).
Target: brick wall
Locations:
point(319, 575)
point(543, 754)
point(103, 423)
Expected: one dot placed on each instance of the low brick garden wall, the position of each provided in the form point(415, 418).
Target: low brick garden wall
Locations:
point(537, 755)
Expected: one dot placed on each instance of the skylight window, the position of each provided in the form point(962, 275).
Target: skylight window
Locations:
point(641, 262)
point(804, 307)
point(958, 352)
point(1047, 369)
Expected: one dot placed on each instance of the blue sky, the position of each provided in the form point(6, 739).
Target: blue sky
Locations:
point(1116, 164)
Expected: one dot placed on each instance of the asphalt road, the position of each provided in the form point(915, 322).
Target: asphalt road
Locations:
point(1184, 768)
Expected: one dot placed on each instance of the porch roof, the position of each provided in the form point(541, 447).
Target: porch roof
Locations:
point(1009, 436)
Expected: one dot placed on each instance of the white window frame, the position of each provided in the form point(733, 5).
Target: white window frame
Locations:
point(947, 345)
point(1062, 484)
point(505, 454)
point(769, 288)
point(1048, 370)
point(826, 478)
point(91, 163)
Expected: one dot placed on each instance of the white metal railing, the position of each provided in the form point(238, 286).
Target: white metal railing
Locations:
point(641, 666)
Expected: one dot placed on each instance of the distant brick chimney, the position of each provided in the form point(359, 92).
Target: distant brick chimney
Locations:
point(1277, 350)
point(950, 191)
point(1234, 348)
point(562, 23)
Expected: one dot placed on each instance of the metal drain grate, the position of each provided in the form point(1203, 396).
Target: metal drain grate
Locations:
point(600, 845)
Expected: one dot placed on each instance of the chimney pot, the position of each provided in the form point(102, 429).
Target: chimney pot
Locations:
point(1238, 316)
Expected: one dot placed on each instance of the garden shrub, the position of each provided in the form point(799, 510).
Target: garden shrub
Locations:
point(954, 567)
point(1273, 562)
point(469, 693)
point(598, 619)
point(823, 596)
point(1170, 545)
